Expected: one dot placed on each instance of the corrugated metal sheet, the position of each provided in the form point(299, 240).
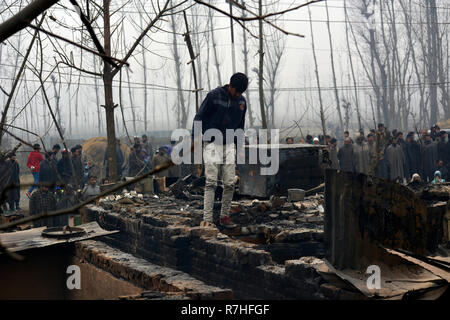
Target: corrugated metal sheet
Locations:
point(32, 238)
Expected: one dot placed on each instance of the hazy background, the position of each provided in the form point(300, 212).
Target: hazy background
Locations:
point(297, 95)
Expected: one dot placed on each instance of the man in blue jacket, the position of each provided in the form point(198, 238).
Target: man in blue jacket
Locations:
point(223, 108)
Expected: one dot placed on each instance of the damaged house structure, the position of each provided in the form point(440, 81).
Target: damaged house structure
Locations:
point(304, 233)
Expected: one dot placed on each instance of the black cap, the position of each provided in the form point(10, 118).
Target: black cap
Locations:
point(239, 81)
point(56, 146)
point(36, 146)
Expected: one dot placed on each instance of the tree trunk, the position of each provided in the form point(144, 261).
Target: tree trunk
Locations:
point(432, 59)
point(109, 104)
point(181, 105)
point(213, 40)
point(144, 65)
point(322, 114)
point(336, 94)
point(97, 99)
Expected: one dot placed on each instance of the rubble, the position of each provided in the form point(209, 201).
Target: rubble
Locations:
point(244, 259)
point(279, 249)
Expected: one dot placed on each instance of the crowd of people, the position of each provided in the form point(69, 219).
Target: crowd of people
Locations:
point(62, 177)
point(423, 156)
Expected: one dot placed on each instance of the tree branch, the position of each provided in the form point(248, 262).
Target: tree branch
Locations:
point(77, 45)
point(23, 18)
point(81, 69)
point(16, 81)
point(141, 36)
point(92, 33)
point(260, 17)
point(3, 90)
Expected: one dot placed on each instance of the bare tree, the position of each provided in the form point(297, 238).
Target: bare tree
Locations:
point(214, 46)
point(316, 70)
point(336, 93)
point(16, 82)
point(181, 106)
point(245, 52)
point(274, 48)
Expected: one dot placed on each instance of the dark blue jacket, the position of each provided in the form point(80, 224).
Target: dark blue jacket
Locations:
point(218, 112)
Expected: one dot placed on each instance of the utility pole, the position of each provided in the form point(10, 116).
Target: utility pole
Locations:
point(187, 39)
point(245, 52)
point(261, 68)
point(233, 50)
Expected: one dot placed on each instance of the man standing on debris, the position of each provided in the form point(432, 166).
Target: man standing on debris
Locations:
point(223, 108)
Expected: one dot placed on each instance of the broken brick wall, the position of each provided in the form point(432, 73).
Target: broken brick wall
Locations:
point(248, 271)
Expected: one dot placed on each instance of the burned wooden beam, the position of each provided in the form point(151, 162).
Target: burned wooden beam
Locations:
point(363, 212)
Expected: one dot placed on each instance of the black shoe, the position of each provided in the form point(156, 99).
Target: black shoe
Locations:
point(227, 223)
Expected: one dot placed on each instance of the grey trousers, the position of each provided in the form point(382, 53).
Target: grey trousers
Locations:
point(215, 157)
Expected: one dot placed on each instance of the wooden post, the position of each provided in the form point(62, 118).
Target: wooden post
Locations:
point(187, 39)
point(261, 69)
